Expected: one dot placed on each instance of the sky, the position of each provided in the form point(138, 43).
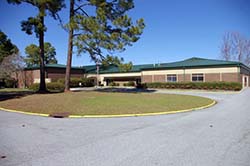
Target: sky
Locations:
point(175, 29)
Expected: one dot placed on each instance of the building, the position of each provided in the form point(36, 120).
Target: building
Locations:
point(53, 72)
point(189, 70)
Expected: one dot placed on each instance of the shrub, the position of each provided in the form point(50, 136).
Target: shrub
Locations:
point(55, 86)
point(10, 83)
point(34, 86)
point(197, 85)
point(86, 82)
point(113, 84)
point(52, 86)
point(74, 82)
point(130, 83)
point(78, 82)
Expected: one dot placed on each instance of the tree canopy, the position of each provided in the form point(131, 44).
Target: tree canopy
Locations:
point(10, 65)
point(114, 60)
point(108, 30)
point(7, 48)
point(236, 47)
point(101, 33)
point(32, 54)
point(36, 25)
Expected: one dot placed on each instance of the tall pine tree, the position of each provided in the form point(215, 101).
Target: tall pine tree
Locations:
point(36, 25)
point(105, 30)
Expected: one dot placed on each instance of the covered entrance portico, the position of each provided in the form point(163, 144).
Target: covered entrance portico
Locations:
point(122, 80)
point(119, 78)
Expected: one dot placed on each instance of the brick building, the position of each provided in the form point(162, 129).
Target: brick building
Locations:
point(53, 72)
point(189, 70)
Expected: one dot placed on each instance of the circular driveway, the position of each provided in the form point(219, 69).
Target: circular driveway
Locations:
point(219, 135)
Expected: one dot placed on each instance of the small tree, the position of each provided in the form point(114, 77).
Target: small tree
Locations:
point(32, 52)
point(6, 46)
point(36, 25)
point(235, 47)
point(11, 67)
point(102, 32)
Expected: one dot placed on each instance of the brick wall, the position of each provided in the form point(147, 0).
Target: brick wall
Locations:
point(147, 78)
point(159, 78)
point(212, 77)
point(231, 77)
point(56, 73)
point(181, 78)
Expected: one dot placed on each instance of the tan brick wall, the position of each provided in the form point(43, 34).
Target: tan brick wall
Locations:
point(36, 73)
point(180, 78)
point(55, 73)
point(212, 77)
point(30, 75)
point(159, 78)
point(147, 78)
point(231, 77)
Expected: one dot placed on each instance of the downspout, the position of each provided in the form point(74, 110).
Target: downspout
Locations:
point(184, 74)
point(240, 80)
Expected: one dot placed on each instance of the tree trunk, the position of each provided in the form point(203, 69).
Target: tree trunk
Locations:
point(42, 87)
point(70, 48)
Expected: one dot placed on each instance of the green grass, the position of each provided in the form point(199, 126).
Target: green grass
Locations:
point(101, 103)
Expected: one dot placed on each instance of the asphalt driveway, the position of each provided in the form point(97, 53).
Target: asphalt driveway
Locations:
point(216, 136)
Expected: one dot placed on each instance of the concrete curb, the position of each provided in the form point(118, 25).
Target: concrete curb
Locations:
point(113, 116)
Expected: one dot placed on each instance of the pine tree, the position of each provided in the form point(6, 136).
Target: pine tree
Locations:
point(36, 25)
point(106, 30)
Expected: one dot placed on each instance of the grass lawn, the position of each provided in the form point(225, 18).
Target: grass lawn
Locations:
point(103, 103)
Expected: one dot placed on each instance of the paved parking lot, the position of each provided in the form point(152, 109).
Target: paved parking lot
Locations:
point(219, 135)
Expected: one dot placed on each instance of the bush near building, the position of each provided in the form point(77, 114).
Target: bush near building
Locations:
point(196, 85)
point(58, 85)
point(52, 86)
point(130, 83)
point(78, 82)
point(8, 83)
point(114, 84)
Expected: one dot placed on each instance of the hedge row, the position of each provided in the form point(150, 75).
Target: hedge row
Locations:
point(130, 83)
point(52, 86)
point(78, 82)
point(114, 84)
point(58, 85)
point(196, 85)
point(8, 83)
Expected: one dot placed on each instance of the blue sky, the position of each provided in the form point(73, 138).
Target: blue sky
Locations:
point(175, 29)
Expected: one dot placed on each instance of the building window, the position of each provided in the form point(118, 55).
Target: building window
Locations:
point(197, 77)
point(171, 78)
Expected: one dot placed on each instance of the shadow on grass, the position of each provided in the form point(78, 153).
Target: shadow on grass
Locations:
point(13, 95)
point(19, 94)
point(125, 90)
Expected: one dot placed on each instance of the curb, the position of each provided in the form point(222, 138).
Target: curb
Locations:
point(22, 112)
point(113, 116)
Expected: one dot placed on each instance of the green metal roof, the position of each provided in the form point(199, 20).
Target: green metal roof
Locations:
point(114, 69)
point(51, 66)
point(193, 63)
point(188, 63)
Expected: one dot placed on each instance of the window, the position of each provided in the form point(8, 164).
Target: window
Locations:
point(171, 78)
point(197, 77)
